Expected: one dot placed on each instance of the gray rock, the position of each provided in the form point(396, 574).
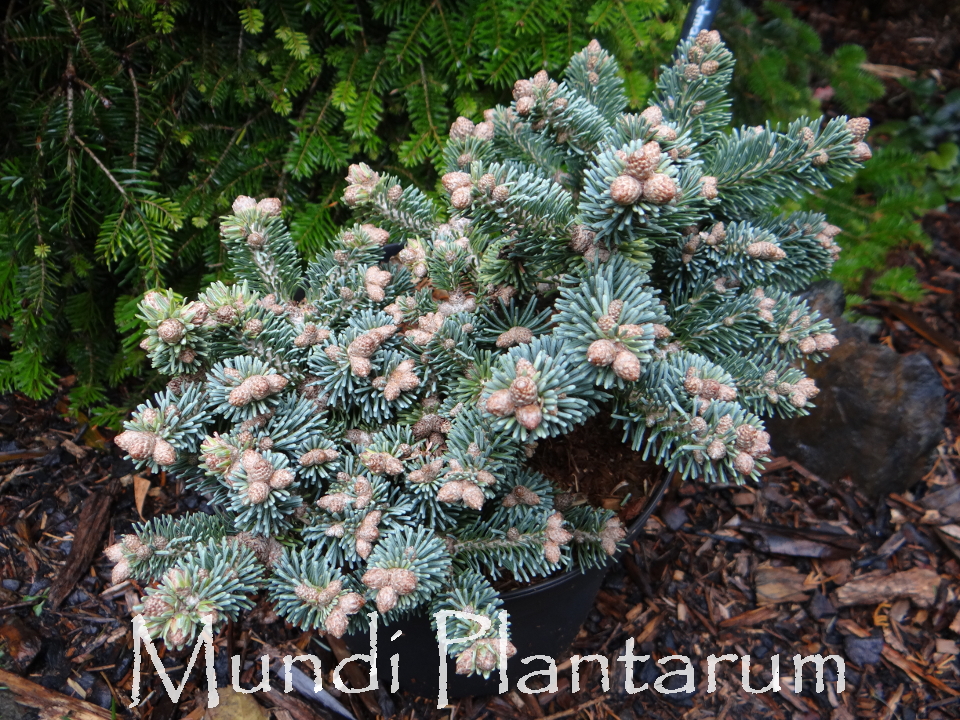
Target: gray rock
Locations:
point(675, 517)
point(38, 587)
point(821, 607)
point(878, 416)
point(10, 709)
point(863, 651)
point(10, 584)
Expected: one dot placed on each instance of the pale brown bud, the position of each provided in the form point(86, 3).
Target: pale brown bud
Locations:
point(394, 193)
point(307, 593)
point(826, 342)
point(243, 203)
point(765, 251)
point(143, 552)
point(258, 492)
point(154, 606)
point(708, 39)
point(726, 393)
point(404, 581)
point(484, 131)
point(269, 206)
point(744, 463)
point(461, 198)
point(708, 187)
point(258, 385)
point(336, 623)
point(472, 496)
point(692, 384)
point(611, 535)
point(524, 367)
point(665, 133)
point(601, 353)
point(500, 403)
point(626, 190)
point(454, 180)
point(525, 495)
point(716, 450)
point(282, 479)
point(114, 552)
point(523, 391)
point(862, 152)
point(659, 189)
point(171, 331)
point(139, 445)
point(653, 115)
point(351, 602)
point(465, 664)
point(525, 105)
point(529, 416)
point(386, 599)
point(163, 453)
point(121, 571)
point(745, 436)
point(643, 163)
point(514, 336)
point(462, 127)
point(522, 89)
point(257, 468)
point(606, 323)
point(858, 127)
point(626, 366)
point(451, 492)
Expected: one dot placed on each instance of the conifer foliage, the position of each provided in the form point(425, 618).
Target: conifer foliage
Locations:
point(129, 126)
point(363, 425)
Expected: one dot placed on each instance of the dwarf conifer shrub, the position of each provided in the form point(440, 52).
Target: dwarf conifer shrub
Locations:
point(363, 425)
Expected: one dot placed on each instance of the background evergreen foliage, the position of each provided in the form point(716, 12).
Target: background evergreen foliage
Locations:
point(916, 164)
point(129, 125)
point(916, 168)
point(782, 62)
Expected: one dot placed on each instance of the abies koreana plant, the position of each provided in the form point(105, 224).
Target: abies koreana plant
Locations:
point(363, 426)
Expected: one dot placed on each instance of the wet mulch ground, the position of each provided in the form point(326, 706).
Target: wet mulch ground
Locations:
point(794, 566)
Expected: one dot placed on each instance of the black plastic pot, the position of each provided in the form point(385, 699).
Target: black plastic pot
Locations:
point(544, 620)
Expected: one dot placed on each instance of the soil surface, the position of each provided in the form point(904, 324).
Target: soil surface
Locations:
point(905, 38)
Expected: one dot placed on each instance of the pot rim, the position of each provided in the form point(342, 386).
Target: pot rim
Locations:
point(632, 533)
